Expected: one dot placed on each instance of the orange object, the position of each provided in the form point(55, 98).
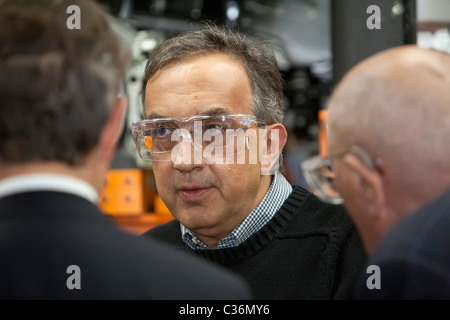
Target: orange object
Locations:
point(148, 143)
point(322, 134)
point(123, 192)
point(160, 207)
point(139, 224)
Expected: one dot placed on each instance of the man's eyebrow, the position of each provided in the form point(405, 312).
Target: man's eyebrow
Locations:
point(155, 116)
point(216, 112)
point(212, 112)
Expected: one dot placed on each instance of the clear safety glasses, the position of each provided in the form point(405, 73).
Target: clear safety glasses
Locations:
point(214, 136)
point(321, 179)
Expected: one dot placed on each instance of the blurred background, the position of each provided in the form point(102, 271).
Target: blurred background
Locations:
point(315, 42)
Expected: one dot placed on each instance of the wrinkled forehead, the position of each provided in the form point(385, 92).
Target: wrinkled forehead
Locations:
point(205, 85)
point(213, 111)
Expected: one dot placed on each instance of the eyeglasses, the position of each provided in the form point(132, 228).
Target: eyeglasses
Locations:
point(155, 139)
point(319, 174)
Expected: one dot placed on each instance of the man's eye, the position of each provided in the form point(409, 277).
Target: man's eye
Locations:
point(222, 127)
point(214, 127)
point(162, 132)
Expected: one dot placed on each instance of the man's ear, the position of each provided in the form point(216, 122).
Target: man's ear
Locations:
point(271, 149)
point(367, 183)
point(113, 129)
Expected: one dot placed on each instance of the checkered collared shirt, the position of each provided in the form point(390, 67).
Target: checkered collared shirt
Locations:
point(279, 191)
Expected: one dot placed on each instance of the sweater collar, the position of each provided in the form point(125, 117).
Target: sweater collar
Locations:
point(288, 212)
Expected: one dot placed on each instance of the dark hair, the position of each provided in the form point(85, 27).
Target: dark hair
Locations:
point(256, 57)
point(56, 84)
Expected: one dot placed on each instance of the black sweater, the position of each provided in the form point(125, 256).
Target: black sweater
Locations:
point(308, 250)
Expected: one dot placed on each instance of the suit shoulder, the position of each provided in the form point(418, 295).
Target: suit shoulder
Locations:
point(169, 231)
point(197, 279)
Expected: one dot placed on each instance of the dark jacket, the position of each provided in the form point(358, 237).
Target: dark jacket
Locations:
point(42, 234)
point(412, 261)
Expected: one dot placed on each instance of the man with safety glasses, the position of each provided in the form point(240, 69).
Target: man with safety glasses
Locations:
point(388, 127)
point(213, 107)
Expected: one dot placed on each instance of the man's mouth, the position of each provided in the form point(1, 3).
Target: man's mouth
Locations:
point(193, 193)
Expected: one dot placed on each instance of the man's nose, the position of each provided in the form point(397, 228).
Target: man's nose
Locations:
point(187, 155)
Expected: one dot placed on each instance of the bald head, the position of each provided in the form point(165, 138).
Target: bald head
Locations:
point(396, 105)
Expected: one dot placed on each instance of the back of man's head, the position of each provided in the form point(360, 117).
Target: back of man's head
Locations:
point(396, 105)
point(57, 84)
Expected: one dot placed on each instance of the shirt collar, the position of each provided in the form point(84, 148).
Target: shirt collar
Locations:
point(48, 182)
point(279, 191)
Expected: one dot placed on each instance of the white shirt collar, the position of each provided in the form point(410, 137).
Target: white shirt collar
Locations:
point(48, 182)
